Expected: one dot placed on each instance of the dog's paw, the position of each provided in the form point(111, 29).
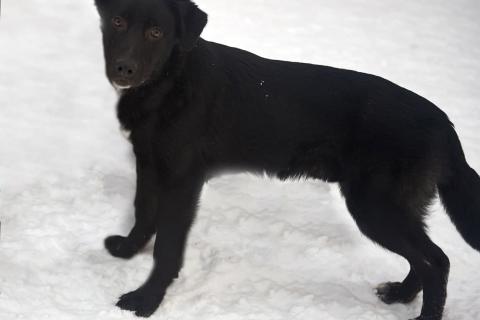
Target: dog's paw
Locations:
point(394, 292)
point(140, 301)
point(120, 247)
point(436, 317)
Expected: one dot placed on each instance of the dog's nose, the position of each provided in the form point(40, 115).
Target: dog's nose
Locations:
point(125, 69)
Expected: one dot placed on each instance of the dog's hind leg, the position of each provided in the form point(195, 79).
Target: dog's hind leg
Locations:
point(387, 219)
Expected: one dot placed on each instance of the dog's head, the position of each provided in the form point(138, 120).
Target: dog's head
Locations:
point(140, 35)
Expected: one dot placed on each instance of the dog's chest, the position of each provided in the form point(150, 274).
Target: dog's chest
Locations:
point(165, 131)
point(172, 146)
point(126, 133)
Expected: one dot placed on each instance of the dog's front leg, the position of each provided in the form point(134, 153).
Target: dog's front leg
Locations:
point(146, 208)
point(177, 206)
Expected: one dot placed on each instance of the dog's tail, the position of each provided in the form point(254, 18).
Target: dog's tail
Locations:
point(460, 193)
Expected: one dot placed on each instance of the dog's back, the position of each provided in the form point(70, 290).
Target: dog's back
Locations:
point(272, 113)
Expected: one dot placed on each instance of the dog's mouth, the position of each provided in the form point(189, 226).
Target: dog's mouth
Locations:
point(120, 86)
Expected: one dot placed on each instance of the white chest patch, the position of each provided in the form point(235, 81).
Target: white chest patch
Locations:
point(126, 133)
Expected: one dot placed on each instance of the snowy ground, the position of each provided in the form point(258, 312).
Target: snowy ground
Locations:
point(260, 250)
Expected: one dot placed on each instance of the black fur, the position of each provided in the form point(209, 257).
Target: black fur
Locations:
point(196, 108)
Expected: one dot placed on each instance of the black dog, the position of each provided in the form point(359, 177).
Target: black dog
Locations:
point(196, 108)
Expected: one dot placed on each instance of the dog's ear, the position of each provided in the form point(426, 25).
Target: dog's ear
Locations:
point(190, 24)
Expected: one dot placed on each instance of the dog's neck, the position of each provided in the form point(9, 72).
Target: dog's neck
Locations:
point(171, 92)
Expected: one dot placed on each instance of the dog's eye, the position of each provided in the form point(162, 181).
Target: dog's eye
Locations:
point(119, 23)
point(154, 33)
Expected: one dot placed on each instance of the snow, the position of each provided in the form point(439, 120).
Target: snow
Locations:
point(260, 249)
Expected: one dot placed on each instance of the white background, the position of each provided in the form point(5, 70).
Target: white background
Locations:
point(260, 249)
